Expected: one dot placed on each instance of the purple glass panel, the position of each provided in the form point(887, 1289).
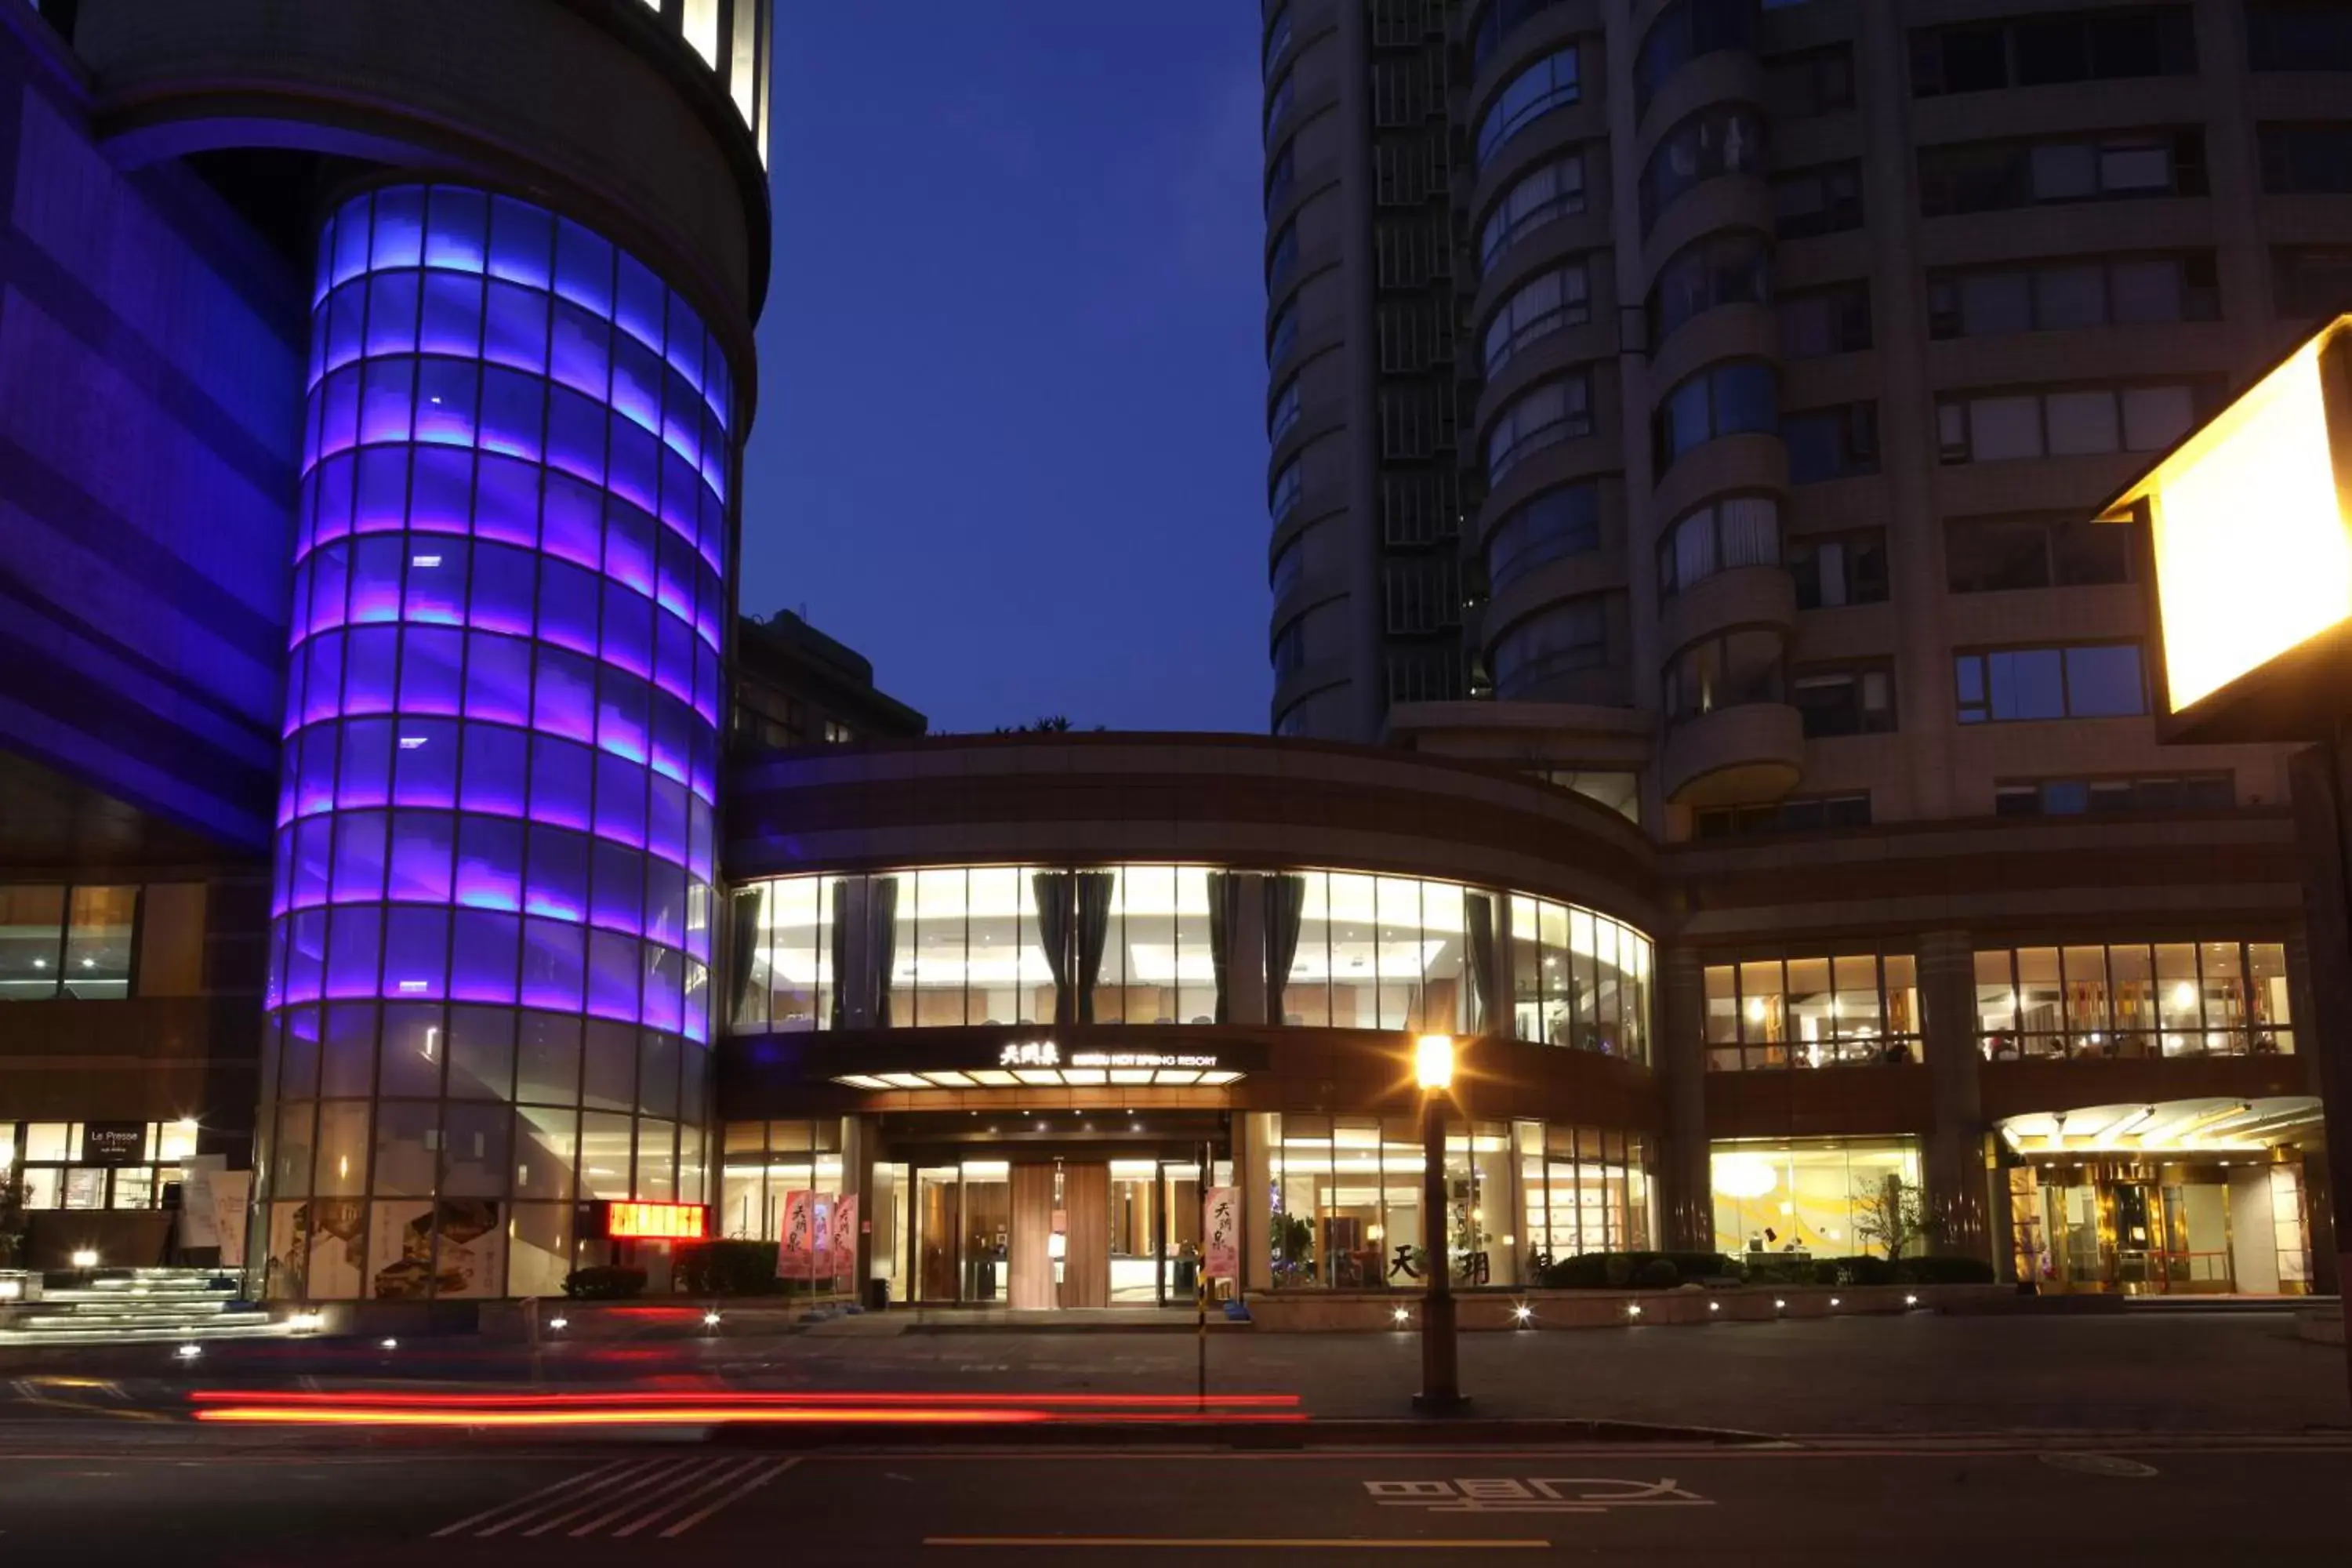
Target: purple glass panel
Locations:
point(322, 677)
point(436, 579)
point(629, 629)
point(697, 919)
point(523, 242)
point(674, 656)
point(583, 267)
point(665, 977)
point(553, 964)
point(673, 737)
point(331, 580)
point(366, 769)
point(313, 855)
point(636, 383)
point(399, 228)
point(421, 846)
point(346, 314)
point(641, 302)
point(352, 951)
point(359, 856)
point(496, 766)
point(298, 1074)
point(697, 1005)
point(618, 897)
point(666, 829)
point(575, 525)
point(579, 352)
point(333, 513)
point(686, 343)
point(455, 231)
point(621, 714)
point(489, 862)
point(506, 580)
point(575, 435)
point(560, 778)
point(443, 499)
point(558, 882)
point(506, 499)
point(306, 955)
point(387, 398)
point(566, 694)
point(665, 904)
point(371, 662)
point(425, 768)
point(515, 332)
point(699, 838)
point(629, 547)
point(377, 563)
point(347, 1045)
point(612, 961)
point(415, 952)
point(446, 393)
point(313, 751)
point(430, 660)
point(514, 412)
point(497, 684)
point(678, 566)
point(451, 320)
point(568, 601)
point(339, 417)
point(633, 473)
point(483, 956)
point(382, 490)
point(391, 313)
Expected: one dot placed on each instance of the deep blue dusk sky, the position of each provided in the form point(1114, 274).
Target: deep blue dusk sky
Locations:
point(1010, 438)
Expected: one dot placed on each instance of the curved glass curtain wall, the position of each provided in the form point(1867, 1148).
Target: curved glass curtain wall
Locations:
point(1148, 945)
point(488, 992)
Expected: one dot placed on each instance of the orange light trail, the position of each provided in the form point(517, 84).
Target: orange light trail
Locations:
point(750, 1399)
point(674, 1416)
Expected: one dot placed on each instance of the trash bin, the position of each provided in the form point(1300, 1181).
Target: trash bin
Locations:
point(877, 1295)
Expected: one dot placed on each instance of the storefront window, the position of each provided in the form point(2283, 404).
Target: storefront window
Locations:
point(1377, 953)
point(62, 1168)
point(766, 1167)
point(2167, 999)
point(1847, 1010)
point(71, 942)
point(1579, 979)
point(1811, 1198)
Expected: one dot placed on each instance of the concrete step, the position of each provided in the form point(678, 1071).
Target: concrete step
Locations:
point(143, 1302)
point(69, 1323)
point(204, 1335)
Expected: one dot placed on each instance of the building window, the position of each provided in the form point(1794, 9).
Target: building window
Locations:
point(1731, 399)
point(1551, 83)
point(1287, 490)
point(1741, 530)
point(2311, 280)
point(1991, 176)
point(1684, 31)
point(1282, 176)
point(1568, 637)
point(1835, 443)
point(2082, 680)
point(1620, 792)
point(1286, 412)
point(1852, 701)
point(1848, 1010)
point(838, 733)
point(1804, 814)
point(1545, 304)
point(1995, 427)
point(1579, 980)
point(1833, 570)
point(2080, 797)
point(2137, 999)
point(2068, 296)
point(2118, 45)
point(1283, 255)
point(1818, 81)
point(63, 1169)
point(1822, 321)
point(1497, 22)
point(1728, 672)
point(2299, 36)
point(2056, 550)
point(1282, 334)
point(1827, 200)
point(1548, 191)
point(70, 942)
point(1277, 38)
point(1289, 651)
point(1551, 412)
point(1277, 101)
point(1721, 269)
point(1556, 524)
point(1796, 1203)
point(2306, 160)
point(1715, 142)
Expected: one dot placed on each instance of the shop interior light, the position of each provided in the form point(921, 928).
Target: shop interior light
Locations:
point(85, 1258)
point(1779, 1305)
point(1910, 1300)
point(1714, 1306)
point(1833, 1301)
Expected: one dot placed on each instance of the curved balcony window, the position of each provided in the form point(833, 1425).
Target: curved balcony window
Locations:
point(1277, 38)
point(1283, 333)
point(1683, 32)
point(1553, 525)
point(1280, 178)
point(1722, 139)
point(1730, 399)
point(1579, 980)
point(1544, 304)
point(1728, 672)
point(1278, 102)
point(1564, 638)
point(1499, 21)
point(1548, 191)
point(1283, 255)
point(1289, 568)
point(1289, 649)
point(1551, 83)
point(1284, 498)
point(1286, 412)
point(1721, 269)
point(1738, 531)
point(1555, 411)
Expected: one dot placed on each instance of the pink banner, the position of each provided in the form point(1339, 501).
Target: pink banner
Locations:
point(1221, 1222)
point(795, 1254)
point(845, 1239)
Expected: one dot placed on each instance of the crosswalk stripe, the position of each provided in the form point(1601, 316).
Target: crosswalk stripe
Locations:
point(497, 1509)
point(660, 1474)
point(725, 1473)
point(754, 1484)
point(665, 1492)
point(571, 1495)
point(642, 1493)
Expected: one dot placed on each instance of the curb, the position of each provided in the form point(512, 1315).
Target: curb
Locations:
point(1471, 1431)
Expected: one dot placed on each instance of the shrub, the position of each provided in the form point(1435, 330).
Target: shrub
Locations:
point(1864, 1270)
point(1943, 1272)
point(1617, 1271)
point(1658, 1273)
point(728, 1267)
point(605, 1283)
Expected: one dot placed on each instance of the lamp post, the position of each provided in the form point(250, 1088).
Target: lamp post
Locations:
point(1441, 1380)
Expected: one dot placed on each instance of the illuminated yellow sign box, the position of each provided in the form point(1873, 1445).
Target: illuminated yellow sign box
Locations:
point(2246, 521)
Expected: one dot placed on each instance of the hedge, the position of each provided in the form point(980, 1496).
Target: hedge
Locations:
point(1623, 1270)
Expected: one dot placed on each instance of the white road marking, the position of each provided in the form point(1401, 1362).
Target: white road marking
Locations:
point(641, 1491)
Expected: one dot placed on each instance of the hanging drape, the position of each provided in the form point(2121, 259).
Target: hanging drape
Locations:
point(743, 949)
point(1050, 892)
point(1482, 962)
point(1222, 890)
point(1286, 900)
point(840, 1007)
point(882, 934)
point(1095, 891)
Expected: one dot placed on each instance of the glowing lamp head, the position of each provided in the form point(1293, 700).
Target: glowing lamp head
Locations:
point(1399, 1315)
point(84, 1258)
point(1432, 1061)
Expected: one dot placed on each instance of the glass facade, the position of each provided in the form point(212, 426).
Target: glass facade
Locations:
point(1797, 1199)
point(2134, 999)
point(73, 943)
point(1854, 1009)
point(495, 850)
point(1579, 979)
point(48, 1159)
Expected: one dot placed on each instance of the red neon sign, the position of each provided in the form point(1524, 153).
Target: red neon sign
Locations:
point(655, 1222)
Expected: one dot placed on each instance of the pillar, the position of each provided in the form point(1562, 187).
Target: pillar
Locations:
point(1686, 1206)
point(1955, 1163)
point(1246, 989)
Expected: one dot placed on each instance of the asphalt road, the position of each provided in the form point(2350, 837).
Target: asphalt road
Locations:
point(79, 1493)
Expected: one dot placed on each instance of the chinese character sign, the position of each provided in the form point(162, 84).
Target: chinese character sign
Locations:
point(795, 1254)
point(845, 1239)
point(1221, 1224)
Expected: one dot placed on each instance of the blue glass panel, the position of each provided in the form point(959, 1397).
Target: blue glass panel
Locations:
point(430, 658)
point(629, 629)
point(674, 656)
point(444, 408)
point(506, 581)
point(629, 547)
point(374, 660)
point(450, 321)
point(283, 875)
point(703, 777)
point(664, 977)
point(566, 695)
point(366, 772)
point(523, 242)
point(579, 352)
point(698, 837)
point(391, 313)
point(497, 764)
point(665, 903)
point(685, 339)
point(634, 474)
point(351, 242)
point(346, 324)
point(678, 570)
point(709, 687)
point(711, 600)
point(514, 412)
point(424, 766)
point(621, 714)
point(698, 1002)
point(666, 832)
point(382, 499)
point(443, 497)
point(714, 477)
point(322, 274)
point(314, 749)
point(288, 765)
point(306, 956)
point(453, 232)
point(553, 964)
point(483, 956)
point(568, 601)
point(558, 883)
point(399, 228)
point(489, 862)
point(575, 434)
point(515, 329)
point(506, 499)
point(583, 267)
point(682, 494)
point(619, 894)
point(313, 857)
point(334, 511)
point(347, 1043)
point(636, 383)
point(436, 579)
point(574, 521)
point(559, 782)
point(338, 416)
point(317, 362)
point(642, 302)
point(323, 681)
point(682, 423)
point(497, 686)
point(416, 951)
point(612, 961)
point(352, 951)
point(378, 564)
point(722, 390)
point(697, 921)
point(359, 856)
point(673, 739)
point(620, 799)
point(421, 848)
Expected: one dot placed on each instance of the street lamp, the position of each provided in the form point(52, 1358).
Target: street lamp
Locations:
point(1441, 1379)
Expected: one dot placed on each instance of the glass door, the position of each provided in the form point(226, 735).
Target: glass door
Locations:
point(1182, 1244)
point(1139, 1232)
point(2139, 1245)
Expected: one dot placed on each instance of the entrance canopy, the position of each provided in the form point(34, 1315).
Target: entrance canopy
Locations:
point(2212, 1126)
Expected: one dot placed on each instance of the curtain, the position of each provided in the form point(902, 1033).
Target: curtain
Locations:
point(1286, 900)
point(743, 949)
point(840, 890)
point(1051, 892)
point(1221, 889)
point(1482, 962)
point(882, 926)
point(1096, 890)
point(1751, 532)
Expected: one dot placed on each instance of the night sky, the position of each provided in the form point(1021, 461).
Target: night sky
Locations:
point(1010, 436)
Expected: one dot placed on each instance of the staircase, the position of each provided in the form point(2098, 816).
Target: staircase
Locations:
point(136, 1305)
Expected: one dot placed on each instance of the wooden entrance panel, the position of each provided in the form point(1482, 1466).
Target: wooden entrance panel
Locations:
point(1086, 1273)
point(1032, 1223)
